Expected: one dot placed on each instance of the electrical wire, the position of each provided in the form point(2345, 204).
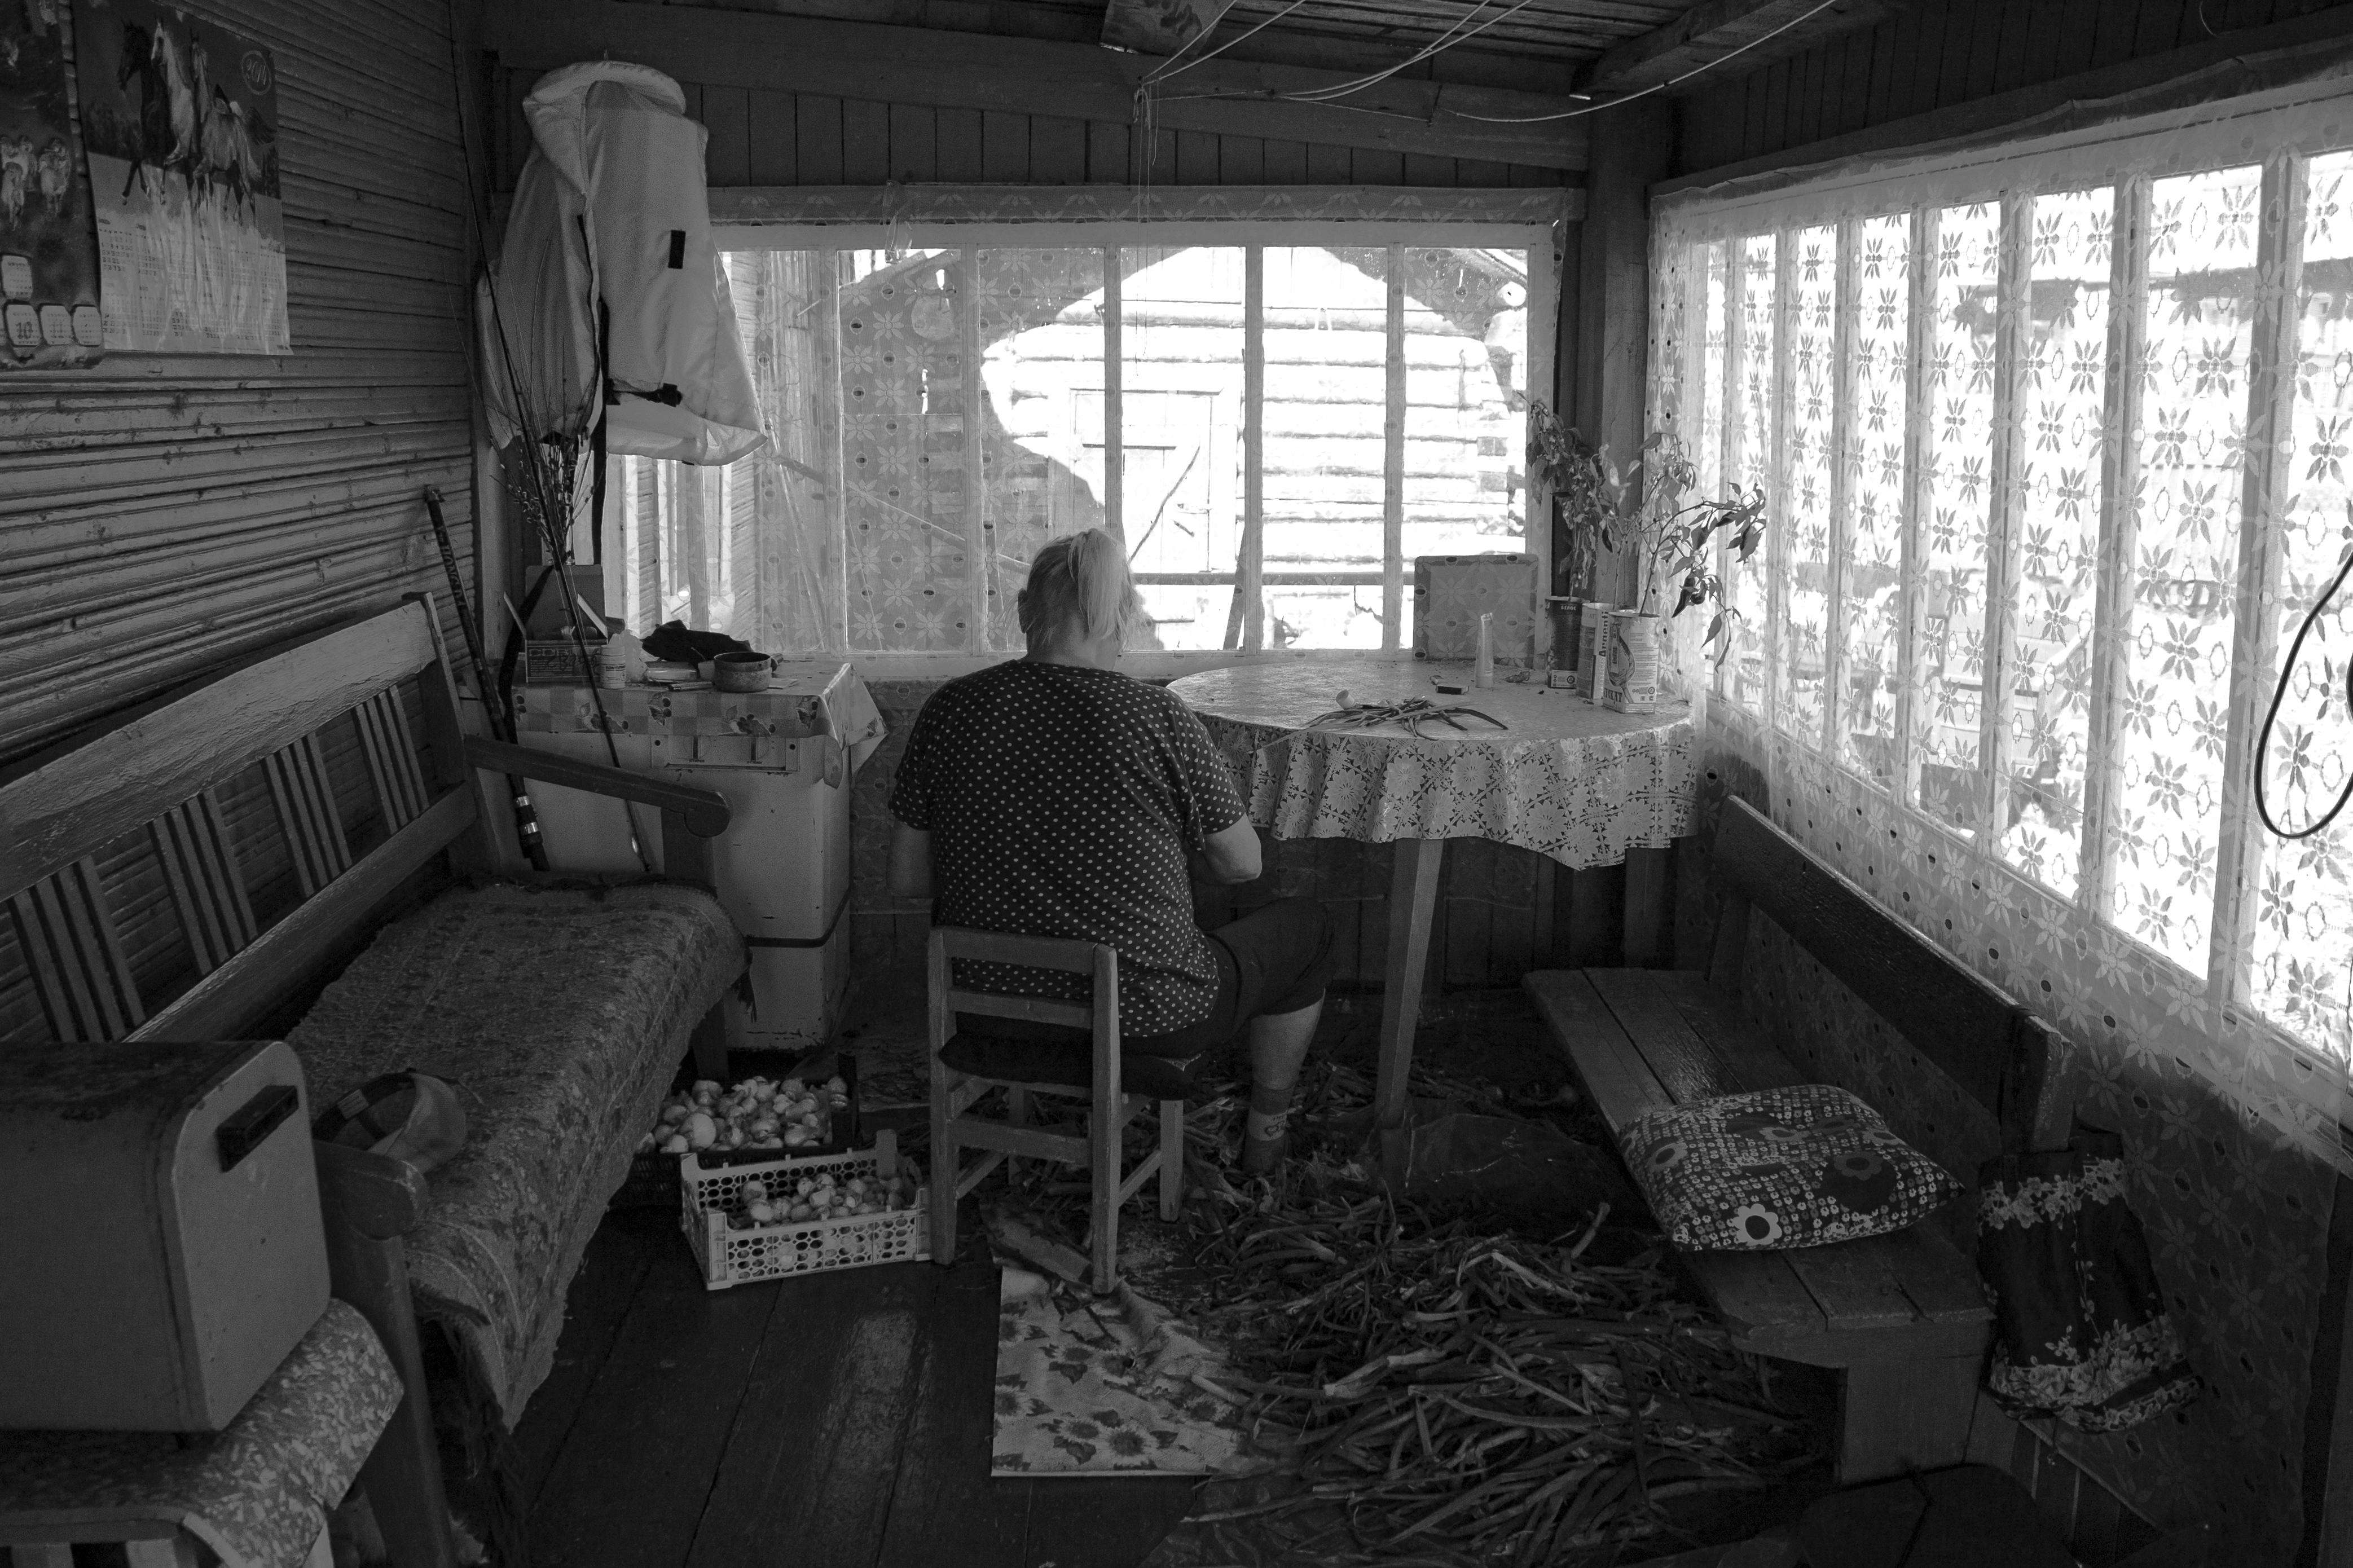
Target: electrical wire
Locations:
point(1169, 66)
point(2279, 694)
point(1655, 86)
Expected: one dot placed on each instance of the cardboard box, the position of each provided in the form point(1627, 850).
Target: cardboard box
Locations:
point(1452, 592)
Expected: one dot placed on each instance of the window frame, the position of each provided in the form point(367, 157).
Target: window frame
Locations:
point(2277, 132)
point(1538, 240)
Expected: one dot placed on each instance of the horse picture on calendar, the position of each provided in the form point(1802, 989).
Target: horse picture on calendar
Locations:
point(180, 121)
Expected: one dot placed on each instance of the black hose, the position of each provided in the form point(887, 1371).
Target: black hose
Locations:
point(2279, 693)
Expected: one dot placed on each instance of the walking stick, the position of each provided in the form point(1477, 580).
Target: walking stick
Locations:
point(495, 712)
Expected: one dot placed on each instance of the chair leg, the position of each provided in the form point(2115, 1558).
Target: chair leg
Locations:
point(1103, 1134)
point(1017, 1113)
point(945, 1164)
point(1172, 1157)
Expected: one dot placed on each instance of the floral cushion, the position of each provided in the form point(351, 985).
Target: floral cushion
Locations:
point(1779, 1168)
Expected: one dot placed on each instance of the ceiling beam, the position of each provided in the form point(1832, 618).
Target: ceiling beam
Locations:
point(1482, 61)
point(1740, 33)
point(920, 66)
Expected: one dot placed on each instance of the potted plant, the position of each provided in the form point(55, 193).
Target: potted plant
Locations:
point(1671, 533)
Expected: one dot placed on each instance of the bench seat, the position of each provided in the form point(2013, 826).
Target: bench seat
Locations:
point(560, 1014)
point(1643, 1038)
point(1903, 1318)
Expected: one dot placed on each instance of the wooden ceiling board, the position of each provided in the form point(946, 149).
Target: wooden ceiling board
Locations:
point(1727, 38)
point(888, 65)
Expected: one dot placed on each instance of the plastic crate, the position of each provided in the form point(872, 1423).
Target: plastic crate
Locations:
point(708, 1194)
point(652, 1180)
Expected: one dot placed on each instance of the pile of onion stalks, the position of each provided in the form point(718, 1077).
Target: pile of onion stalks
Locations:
point(1446, 1394)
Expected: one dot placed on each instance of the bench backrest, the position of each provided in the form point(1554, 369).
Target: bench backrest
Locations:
point(1998, 1053)
point(158, 770)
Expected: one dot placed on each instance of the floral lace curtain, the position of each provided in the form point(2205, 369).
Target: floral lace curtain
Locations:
point(2054, 437)
point(2055, 449)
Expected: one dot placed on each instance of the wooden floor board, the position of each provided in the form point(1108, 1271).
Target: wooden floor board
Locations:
point(826, 1408)
point(1091, 1522)
point(615, 1266)
point(633, 1473)
point(945, 1509)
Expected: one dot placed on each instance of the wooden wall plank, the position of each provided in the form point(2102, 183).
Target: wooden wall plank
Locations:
point(1242, 160)
point(1004, 147)
point(1377, 168)
point(1425, 170)
point(147, 495)
point(1107, 154)
point(1286, 163)
point(727, 116)
point(1058, 150)
point(773, 138)
point(1197, 158)
point(2018, 26)
point(959, 134)
point(914, 142)
point(820, 156)
point(1330, 165)
point(865, 142)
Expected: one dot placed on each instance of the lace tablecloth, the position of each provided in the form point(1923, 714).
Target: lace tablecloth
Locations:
point(1569, 778)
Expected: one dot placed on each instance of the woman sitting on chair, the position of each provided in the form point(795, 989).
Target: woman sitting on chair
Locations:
point(1054, 796)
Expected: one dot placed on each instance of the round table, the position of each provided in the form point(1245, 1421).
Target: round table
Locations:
point(1567, 778)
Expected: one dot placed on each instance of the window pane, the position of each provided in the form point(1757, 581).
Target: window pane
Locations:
point(1706, 400)
point(1752, 461)
point(1466, 337)
point(1870, 597)
point(1042, 333)
point(1950, 613)
point(908, 554)
point(1805, 624)
point(1327, 395)
point(787, 600)
point(2303, 908)
point(2055, 535)
point(2173, 714)
point(1181, 422)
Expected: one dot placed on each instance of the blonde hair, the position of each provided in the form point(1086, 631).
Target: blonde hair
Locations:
point(1079, 588)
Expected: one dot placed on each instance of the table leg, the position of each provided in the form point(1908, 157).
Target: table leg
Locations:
point(1413, 899)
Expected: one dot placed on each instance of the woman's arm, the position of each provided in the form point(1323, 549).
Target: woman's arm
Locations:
point(911, 861)
point(1232, 852)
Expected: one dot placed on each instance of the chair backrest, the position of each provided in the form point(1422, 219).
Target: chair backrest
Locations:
point(1099, 1016)
point(161, 772)
point(1998, 1053)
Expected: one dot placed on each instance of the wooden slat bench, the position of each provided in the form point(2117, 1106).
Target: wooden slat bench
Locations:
point(1903, 1318)
point(594, 994)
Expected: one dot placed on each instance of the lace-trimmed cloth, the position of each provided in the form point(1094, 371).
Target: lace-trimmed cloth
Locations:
point(257, 1493)
point(560, 1015)
point(1568, 778)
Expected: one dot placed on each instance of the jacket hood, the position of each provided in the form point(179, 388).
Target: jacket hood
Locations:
point(557, 107)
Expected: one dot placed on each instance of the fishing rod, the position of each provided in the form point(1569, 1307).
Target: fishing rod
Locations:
point(496, 713)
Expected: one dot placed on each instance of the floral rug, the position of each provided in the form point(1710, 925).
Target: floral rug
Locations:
point(1090, 1385)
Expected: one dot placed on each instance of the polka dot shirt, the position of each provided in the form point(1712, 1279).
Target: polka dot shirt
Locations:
point(1061, 800)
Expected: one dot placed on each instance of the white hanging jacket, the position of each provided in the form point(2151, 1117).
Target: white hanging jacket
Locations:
point(611, 211)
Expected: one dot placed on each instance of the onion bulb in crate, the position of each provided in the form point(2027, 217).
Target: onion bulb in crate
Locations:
point(757, 1113)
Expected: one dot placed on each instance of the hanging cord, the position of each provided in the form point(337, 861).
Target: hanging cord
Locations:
point(1655, 86)
point(2279, 694)
point(553, 538)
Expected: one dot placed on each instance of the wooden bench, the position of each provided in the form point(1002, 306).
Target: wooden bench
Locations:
point(378, 811)
point(1903, 1318)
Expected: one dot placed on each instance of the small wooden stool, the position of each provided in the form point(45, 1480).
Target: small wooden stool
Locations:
point(1095, 1075)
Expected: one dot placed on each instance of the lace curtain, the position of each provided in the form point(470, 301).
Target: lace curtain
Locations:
point(1276, 431)
point(2055, 439)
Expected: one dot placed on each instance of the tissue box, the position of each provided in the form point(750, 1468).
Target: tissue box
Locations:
point(1452, 592)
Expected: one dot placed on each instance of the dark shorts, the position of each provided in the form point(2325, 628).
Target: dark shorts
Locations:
point(1273, 960)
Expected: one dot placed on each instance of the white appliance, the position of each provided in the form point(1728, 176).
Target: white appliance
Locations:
point(783, 861)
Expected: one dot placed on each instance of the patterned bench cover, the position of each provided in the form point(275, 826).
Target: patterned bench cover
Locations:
point(258, 1492)
point(560, 1014)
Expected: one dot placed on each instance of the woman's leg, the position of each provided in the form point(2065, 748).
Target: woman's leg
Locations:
point(1277, 1046)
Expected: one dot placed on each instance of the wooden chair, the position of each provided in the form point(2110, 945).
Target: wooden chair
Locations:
point(955, 1091)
